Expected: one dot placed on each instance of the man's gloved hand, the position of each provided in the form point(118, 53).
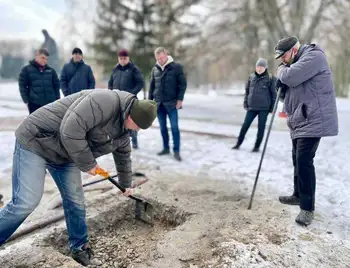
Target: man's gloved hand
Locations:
point(245, 105)
point(280, 84)
point(284, 88)
point(93, 171)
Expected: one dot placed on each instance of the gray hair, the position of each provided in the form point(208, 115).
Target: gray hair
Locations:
point(160, 50)
point(297, 45)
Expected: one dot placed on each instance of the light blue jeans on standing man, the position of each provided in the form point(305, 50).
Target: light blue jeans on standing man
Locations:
point(28, 178)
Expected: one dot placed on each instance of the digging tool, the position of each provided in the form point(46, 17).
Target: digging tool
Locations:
point(143, 209)
point(264, 149)
point(56, 201)
point(135, 174)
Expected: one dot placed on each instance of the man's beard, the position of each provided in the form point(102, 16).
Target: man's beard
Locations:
point(292, 57)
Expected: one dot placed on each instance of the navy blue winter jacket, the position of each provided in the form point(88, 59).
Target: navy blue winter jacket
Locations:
point(76, 77)
point(260, 92)
point(38, 85)
point(126, 78)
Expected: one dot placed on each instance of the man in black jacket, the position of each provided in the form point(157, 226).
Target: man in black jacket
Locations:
point(260, 96)
point(76, 75)
point(167, 88)
point(127, 77)
point(38, 82)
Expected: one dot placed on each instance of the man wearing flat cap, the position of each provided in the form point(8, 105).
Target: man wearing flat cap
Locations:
point(76, 75)
point(310, 105)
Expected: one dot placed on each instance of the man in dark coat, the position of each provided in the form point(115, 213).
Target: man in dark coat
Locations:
point(66, 137)
point(127, 77)
point(310, 106)
point(38, 82)
point(167, 87)
point(259, 99)
point(76, 75)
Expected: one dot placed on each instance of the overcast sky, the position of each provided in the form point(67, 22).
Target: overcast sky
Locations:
point(26, 18)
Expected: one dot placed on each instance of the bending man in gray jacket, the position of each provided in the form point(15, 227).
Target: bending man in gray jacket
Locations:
point(310, 105)
point(66, 137)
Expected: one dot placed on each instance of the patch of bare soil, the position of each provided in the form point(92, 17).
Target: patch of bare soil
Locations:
point(119, 240)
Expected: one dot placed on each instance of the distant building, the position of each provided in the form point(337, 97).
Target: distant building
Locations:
point(14, 54)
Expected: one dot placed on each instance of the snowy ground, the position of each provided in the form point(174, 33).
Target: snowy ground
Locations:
point(211, 159)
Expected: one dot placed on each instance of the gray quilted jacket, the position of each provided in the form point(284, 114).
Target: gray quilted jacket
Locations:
point(81, 127)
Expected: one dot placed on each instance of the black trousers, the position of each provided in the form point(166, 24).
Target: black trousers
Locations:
point(249, 118)
point(32, 107)
point(304, 151)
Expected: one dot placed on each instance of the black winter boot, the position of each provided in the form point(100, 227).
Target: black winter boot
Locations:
point(289, 200)
point(164, 152)
point(236, 147)
point(255, 150)
point(135, 146)
point(83, 256)
point(177, 156)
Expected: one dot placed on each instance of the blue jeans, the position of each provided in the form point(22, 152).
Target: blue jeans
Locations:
point(28, 178)
point(162, 113)
point(133, 135)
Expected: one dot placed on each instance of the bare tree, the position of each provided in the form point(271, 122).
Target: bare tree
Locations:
point(251, 28)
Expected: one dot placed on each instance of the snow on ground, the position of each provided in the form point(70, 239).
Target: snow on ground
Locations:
point(11, 104)
point(7, 143)
point(215, 159)
point(210, 157)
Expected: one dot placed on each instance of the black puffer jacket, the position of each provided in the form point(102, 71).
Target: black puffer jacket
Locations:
point(260, 92)
point(38, 85)
point(168, 85)
point(76, 77)
point(126, 78)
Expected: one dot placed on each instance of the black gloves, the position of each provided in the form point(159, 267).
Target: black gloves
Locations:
point(283, 87)
point(280, 84)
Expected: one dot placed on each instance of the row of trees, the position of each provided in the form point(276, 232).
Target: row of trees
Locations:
point(141, 26)
point(241, 31)
point(218, 43)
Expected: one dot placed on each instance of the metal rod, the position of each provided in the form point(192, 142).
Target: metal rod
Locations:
point(264, 149)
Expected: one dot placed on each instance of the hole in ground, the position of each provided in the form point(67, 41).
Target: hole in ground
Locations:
point(118, 239)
